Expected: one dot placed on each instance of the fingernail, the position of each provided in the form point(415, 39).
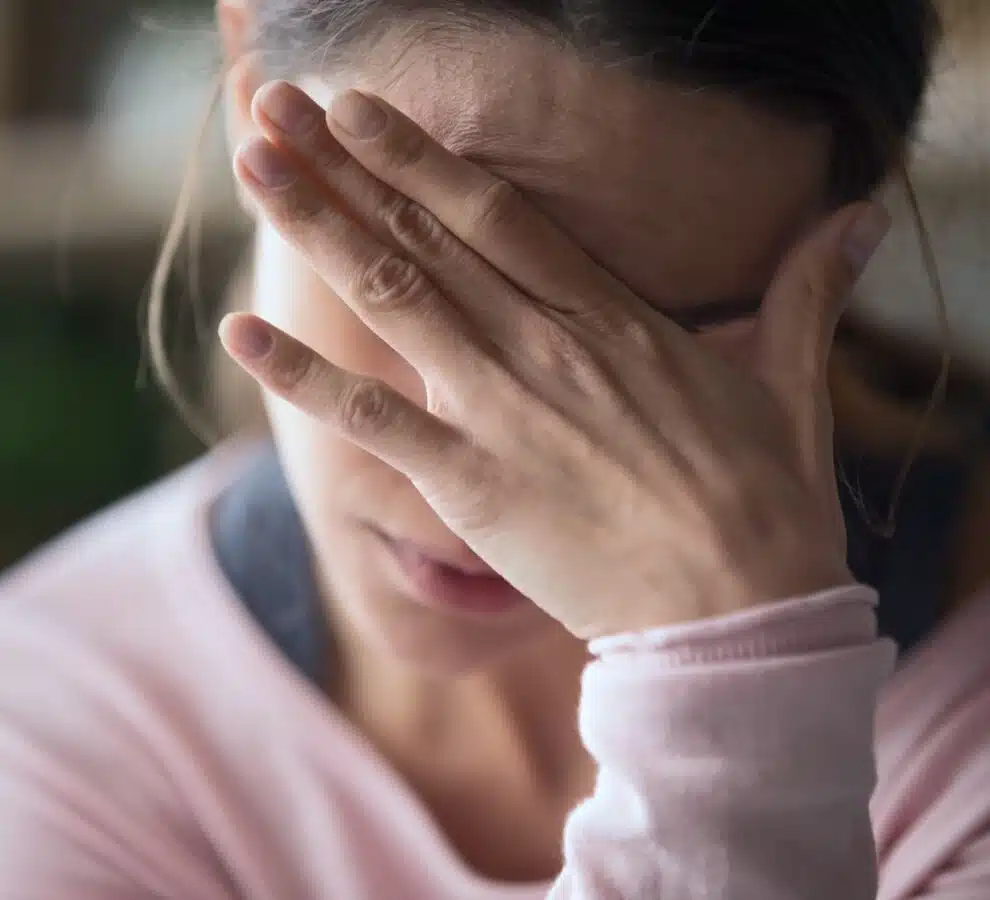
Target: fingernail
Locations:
point(358, 115)
point(864, 236)
point(267, 165)
point(247, 337)
point(287, 108)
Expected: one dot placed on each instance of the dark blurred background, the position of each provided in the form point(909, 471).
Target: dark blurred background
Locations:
point(99, 103)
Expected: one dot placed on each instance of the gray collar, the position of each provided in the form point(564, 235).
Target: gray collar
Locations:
point(262, 548)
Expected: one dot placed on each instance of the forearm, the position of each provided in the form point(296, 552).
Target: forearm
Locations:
point(736, 758)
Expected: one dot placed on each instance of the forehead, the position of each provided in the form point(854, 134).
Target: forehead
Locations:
point(688, 195)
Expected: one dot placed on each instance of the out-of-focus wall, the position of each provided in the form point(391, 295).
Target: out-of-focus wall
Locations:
point(951, 174)
point(98, 104)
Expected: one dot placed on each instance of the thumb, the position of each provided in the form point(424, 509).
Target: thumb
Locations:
point(801, 310)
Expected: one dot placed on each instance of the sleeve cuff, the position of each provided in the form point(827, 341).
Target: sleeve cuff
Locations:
point(838, 618)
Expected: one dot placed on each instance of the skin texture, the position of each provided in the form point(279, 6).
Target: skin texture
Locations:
point(579, 441)
point(686, 198)
point(711, 219)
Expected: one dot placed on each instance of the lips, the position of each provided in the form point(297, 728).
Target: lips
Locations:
point(461, 584)
point(464, 564)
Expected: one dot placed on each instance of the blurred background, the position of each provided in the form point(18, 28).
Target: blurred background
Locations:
point(99, 105)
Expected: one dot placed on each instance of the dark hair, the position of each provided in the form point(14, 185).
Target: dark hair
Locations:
point(858, 66)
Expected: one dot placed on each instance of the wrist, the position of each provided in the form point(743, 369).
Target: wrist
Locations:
point(725, 595)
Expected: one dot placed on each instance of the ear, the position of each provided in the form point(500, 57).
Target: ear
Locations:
point(243, 73)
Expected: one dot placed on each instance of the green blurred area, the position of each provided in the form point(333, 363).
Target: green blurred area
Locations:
point(85, 194)
point(76, 430)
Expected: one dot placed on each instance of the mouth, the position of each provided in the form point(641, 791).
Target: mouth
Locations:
point(456, 584)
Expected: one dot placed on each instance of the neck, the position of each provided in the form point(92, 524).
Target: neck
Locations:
point(494, 757)
point(512, 725)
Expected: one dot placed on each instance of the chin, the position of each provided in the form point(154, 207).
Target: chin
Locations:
point(374, 605)
point(397, 581)
point(437, 642)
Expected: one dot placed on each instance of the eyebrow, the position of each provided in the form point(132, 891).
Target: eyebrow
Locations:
point(717, 312)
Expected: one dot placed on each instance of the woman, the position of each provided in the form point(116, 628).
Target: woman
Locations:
point(554, 294)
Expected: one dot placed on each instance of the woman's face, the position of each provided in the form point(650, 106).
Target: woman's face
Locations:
point(686, 195)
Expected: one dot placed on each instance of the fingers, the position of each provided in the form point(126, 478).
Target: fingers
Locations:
point(363, 410)
point(291, 119)
point(797, 328)
point(486, 213)
point(390, 294)
point(803, 306)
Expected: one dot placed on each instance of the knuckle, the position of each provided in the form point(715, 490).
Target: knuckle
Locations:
point(497, 207)
point(405, 148)
point(635, 333)
point(392, 284)
point(572, 357)
point(364, 407)
point(563, 356)
point(482, 498)
point(615, 322)
point(300, 212)
point(294, 370)
point(413, 227)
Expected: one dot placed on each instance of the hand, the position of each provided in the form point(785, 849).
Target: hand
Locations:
point(587, 448)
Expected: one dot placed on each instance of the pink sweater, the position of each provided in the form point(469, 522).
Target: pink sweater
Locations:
point(154, 744)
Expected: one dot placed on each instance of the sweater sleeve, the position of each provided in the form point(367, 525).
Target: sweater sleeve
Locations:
point(735, 758)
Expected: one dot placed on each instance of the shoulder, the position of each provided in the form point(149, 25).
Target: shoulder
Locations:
point(124, 595)
point(101, 700)
point(932, 806)
point(124, 543)
point(152, 741)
